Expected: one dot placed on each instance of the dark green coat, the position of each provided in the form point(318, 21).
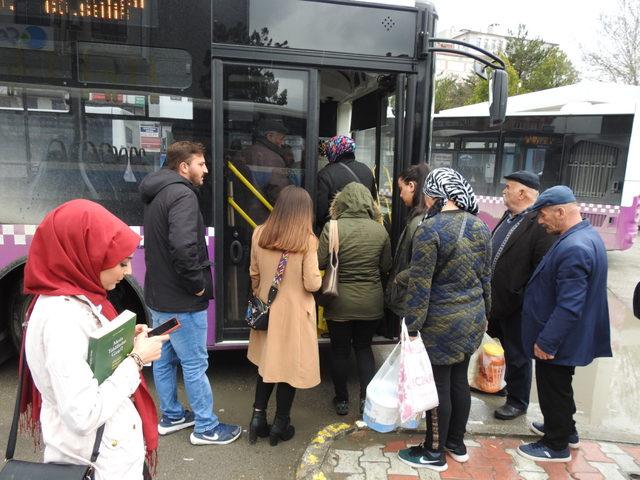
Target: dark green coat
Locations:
point(364, 256)
point(399, 276)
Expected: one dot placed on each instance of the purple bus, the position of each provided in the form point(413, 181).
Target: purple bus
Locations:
point(92, 93)
point(585, 136)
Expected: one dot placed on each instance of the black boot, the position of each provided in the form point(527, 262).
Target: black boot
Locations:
point(258, 426)
point(281, 430)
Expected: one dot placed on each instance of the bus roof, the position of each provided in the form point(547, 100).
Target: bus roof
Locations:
point(583, 98)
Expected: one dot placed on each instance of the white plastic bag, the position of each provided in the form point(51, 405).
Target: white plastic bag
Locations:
point(381, 411)
point(483, 373)
point(417, 391)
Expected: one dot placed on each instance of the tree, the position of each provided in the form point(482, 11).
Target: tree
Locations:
point(617, 56)
point(450, 93)
point(538, 66)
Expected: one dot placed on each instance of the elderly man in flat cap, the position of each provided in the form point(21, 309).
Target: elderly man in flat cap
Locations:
point(565, 319)
point(519, 243)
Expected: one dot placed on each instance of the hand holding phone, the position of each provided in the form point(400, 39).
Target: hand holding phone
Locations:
point(167, 327)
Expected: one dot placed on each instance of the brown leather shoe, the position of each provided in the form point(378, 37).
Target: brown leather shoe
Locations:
point(508, 412)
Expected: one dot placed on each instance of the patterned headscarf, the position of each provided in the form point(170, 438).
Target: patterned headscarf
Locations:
point(447, 184)
point(339, 145)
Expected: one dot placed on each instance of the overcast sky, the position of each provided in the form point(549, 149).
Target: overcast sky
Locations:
point(570, 23)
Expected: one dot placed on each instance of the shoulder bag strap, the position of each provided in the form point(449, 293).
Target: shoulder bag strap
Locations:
point(334, 240)
point(282, 265)
point(13, 434)
point(353, 174)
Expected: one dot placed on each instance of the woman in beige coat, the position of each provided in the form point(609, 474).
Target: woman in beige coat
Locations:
point(286, 353)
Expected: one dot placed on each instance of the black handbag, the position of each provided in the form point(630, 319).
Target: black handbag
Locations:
point(21, 470)
point(257, 315)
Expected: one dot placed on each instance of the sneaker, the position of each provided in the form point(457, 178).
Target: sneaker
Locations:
point(458, 453)
point(222, 434)
point(167, 425)
point(539, 452)
point(573, 440)
point(419, 457)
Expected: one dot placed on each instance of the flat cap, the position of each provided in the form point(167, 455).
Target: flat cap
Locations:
point(558, 195)
point(272, 125)
point(528, 179)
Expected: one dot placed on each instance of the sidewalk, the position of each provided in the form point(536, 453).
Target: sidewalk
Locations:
point(354, 452)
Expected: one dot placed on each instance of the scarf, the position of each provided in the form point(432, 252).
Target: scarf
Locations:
point(337, 146)
point(72, 245)
point(447, 184)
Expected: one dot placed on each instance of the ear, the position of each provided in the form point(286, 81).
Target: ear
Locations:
point(183, 167)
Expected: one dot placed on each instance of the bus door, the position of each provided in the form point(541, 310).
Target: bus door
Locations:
point(268, 122)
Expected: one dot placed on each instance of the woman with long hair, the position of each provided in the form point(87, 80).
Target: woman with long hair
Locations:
point(364, 259)
point(410, 184)
point(286, 354)
point(79, 252)
point(447, 301)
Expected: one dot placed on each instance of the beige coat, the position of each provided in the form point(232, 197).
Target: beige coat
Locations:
point(288, 351)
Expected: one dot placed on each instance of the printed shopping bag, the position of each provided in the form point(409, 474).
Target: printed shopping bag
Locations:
point(416, 387)
point(487, 366)
point(381, 411)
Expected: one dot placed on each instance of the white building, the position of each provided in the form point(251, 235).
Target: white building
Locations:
point(494, 40)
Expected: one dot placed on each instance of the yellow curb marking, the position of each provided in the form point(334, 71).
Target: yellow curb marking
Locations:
point(319, 476)
point(312, 459)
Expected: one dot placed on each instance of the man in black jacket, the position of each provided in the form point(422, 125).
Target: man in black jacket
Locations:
point(519, 243)
point(178, 284)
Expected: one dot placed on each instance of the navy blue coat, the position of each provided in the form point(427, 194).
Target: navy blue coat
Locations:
point(565, 308)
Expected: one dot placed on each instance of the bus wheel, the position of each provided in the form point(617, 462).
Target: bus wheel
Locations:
point(18, 304)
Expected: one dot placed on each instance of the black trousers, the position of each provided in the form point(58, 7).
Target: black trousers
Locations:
point(518, 363)
point(447, 424)
point(284, 397)
point(345, 335)
point(555, 394)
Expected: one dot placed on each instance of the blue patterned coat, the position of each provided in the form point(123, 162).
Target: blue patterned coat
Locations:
point(449, 292)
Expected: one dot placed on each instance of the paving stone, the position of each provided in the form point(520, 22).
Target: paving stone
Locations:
point(373, 454)
point(633, 451)
point(609, 448)
point(523, 464)
point(375, 470)
point(455, 470)
point(358, 476)
point(347, 461)
point(397, 467)
point(624, 461)
point(579, 464)
point(480, 473)
point(471, 443)
point(534, 476)
point(426, 474)
point(588, 476)
point(556, 471)
point(395, 446)
point(593, 453)
point(610, 471)
point(403, 477)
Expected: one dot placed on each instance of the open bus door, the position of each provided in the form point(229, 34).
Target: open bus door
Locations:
point(251, 166)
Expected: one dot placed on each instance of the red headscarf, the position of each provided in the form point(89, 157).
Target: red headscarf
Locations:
point(72, 245)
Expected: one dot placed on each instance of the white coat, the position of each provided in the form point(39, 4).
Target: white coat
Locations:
point(73, 404)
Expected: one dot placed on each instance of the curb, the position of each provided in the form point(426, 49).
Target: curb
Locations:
point(310, 467)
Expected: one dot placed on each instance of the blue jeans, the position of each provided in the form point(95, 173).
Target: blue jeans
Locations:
point(186, 347)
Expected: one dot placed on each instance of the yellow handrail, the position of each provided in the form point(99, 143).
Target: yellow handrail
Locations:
point(248, 184)
point(242, 213)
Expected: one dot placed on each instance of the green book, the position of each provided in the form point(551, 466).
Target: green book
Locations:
point(111, 344)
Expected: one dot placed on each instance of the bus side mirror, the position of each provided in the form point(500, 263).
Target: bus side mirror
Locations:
point(498, 91)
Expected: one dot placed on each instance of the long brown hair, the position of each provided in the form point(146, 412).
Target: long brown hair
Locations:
point(289, 225)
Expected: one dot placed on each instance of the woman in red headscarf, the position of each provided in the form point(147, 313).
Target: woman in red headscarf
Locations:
point(78, 253)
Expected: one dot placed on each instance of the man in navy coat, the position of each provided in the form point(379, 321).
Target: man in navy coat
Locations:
point(565, 319)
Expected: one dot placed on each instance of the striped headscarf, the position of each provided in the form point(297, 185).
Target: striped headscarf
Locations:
point(339, 145)
point(447, 184)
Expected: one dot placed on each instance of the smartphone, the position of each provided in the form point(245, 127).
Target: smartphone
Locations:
point(169, 326)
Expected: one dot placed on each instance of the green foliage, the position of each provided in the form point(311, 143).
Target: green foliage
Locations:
point(531, 66)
